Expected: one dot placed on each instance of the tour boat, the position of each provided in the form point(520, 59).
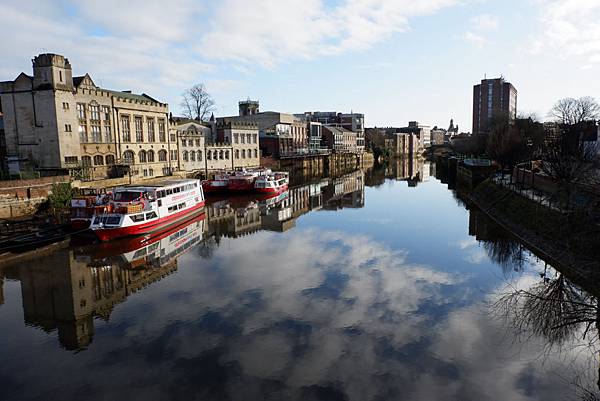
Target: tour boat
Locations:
point(84, 206)
point(219, 183)
point(243, 180)
point(272, 183)
point(137, 210)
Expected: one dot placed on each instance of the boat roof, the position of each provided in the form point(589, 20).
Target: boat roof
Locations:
point(162, 184)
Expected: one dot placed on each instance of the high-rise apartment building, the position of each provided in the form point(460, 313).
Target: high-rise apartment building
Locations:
point(493, 98)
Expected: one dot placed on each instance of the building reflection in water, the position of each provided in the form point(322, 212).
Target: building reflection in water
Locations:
point(74, 286)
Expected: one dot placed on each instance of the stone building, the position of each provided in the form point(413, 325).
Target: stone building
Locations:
point(238, 138)
point(55, 122)
point(354, 122)
point(339, 139)
point(190, 137)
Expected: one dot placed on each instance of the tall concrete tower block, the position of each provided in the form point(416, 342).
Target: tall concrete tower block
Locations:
point(248, 107)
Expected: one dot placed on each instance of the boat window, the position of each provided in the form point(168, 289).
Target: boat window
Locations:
point(126, 196)
point(172, 208)
point(151, 215)
point(137, 217)
point(169, 191)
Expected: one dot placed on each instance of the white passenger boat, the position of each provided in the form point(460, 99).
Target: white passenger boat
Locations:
point(137, 210)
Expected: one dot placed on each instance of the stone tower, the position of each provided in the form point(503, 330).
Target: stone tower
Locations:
point(248, 107)
point(52, 71)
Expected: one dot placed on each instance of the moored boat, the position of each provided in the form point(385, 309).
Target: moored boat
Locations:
point(274, 183)
point(219, 183)
point(243, 180)
point(137, 210)
point(85, 205)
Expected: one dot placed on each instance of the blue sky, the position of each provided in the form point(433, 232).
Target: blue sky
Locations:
point(394, 60)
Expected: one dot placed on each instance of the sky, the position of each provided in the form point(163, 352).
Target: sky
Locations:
point(393, 60)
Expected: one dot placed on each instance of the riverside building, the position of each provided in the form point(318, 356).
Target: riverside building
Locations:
point(56, 123)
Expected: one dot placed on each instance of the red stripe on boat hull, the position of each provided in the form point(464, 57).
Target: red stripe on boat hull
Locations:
point(107, 234)
point(275, 190)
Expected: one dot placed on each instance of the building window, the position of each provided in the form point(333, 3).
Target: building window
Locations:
point(256, 153)
point(237, 153)
point(150, 157)
point(83, 135)
point(174, 155)
point(235, 138)
point(107, 134)
point(184, 142)
point(243, 153)
point(161, 130)
point(199, 155)
point(106, 113)
point(172, 137)
point(249, 136)
point(86, 161)
point(67, 127)
point(81, 111)
point(215, 155)
point(142, 156)
point(185, 156)
point(162, 155)
point(60, 75)
point(254, 138)
point(71, 159)
point(96, 134)
point(151, 171)
point(151, 136)
point(227, 155)
point(243, 138)
point(65, 106)
point(126, 128)
point(198, 143)
point(192, 156)
point(110, 160)
point(129, 156)
point(98, 160)
point(94, 112)
point(139, 133)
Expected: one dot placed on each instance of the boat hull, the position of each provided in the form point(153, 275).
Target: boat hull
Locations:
point(108, 234)
point(273, 190)
point(215, 186)
point(241, 185)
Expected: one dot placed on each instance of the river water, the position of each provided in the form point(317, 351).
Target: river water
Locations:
point(376, 285)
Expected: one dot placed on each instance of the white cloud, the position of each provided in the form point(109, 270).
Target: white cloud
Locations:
point(475, 39)
point(569, 28)
point(269, 32)
point(484, 22)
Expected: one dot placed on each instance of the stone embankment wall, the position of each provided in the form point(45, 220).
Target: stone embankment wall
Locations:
point(22, 197)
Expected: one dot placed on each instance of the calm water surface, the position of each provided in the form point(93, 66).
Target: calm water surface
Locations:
point(370, 286)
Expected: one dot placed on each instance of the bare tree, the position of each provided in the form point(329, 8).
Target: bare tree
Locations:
point(570, 111)
point(197, 103)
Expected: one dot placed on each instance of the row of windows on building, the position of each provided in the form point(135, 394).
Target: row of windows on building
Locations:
point(193, 156)
point(245, 138)
point(190, 142)
point(139, 129)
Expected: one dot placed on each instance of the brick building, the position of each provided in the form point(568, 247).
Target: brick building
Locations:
point(493, 98)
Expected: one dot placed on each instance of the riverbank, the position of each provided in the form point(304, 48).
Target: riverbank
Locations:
point(573, 248)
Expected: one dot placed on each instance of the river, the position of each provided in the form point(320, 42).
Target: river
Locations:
point(375, 285)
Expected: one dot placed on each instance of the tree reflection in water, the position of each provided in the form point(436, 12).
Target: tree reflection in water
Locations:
point(563, 315)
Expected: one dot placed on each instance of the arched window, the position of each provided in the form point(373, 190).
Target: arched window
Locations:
point(185, 156)
point(237, 153)
point(142, 156)
point(256, 153)
point(227, 154)
point(150, 156)
point(199, 155)
point(110, 160)
point(220, 154)
point(192, 156)
point(215, 154)
point(129, 157)
point(98, 160)
point(162, 155)
point(243, 153)
point(86, 161)
point(208, 155)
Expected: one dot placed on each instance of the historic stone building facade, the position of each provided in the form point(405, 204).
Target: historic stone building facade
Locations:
point(242, 136)
point(56, 122)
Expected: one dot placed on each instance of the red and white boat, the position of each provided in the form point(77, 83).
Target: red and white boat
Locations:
point(274, 183)
point(136, 210)
point(85, 205)
point(243, 180)
point(219, 183)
